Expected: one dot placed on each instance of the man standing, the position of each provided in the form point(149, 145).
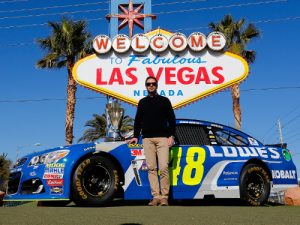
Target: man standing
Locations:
point(156, 119)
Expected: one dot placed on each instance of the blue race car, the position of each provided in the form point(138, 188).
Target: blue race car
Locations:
point(207, 160)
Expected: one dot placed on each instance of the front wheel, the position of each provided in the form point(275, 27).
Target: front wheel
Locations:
point(94, 182)
point(254, 185)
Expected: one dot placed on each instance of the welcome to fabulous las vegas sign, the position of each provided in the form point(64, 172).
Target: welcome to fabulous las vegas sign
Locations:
point(187, 68)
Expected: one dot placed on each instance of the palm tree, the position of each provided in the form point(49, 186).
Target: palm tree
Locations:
point(97, 127)
point(68, 42)
point(237, 36)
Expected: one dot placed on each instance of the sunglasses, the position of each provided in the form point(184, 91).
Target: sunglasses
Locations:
point(151, 83)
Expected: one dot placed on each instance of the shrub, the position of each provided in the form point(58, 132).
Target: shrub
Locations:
point(4, 171)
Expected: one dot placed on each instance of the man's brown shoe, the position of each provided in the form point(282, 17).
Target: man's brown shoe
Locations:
point(164, 202)
point(154, 202)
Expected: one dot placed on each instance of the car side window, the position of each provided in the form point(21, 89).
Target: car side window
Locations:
point(191, 134)
point(225, 137)
point(222, 137)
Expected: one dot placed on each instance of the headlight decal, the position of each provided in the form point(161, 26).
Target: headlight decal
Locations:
point(48, 158)
point(54, 157)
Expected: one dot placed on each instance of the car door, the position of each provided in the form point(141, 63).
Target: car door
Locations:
point(187, 159)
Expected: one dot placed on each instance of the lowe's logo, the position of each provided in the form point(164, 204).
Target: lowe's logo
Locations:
point(230, 151)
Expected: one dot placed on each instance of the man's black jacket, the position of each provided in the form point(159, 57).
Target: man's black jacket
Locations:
point(154, 117)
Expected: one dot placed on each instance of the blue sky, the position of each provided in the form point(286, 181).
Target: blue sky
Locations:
point(32, 101)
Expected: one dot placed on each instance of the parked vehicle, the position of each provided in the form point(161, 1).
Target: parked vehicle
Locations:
point(207, 160)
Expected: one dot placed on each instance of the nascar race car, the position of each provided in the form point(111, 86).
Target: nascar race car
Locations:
point(207, 160)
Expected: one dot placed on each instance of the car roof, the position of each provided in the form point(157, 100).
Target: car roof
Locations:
point(213, 124)
point(201, 122)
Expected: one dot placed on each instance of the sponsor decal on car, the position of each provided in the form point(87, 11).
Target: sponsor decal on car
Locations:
point(144, 165)
point(135, 145)
point(217, 125)
point(252, 141)
point(212, 137)
point(286, 154)
point(137, 152)
point(89, 148)
point(284, 174)
point(230, 178)
point(228, 173)
point(190, 122)
point(54, 171)
point(231, 151)
point(192, 172)
point(136, 172)
point(56, 182)
point(32, 174)
point(53, 176)
point(56, 190)
point(55, 165)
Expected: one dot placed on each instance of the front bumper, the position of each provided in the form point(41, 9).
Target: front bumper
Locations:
point(28, 184)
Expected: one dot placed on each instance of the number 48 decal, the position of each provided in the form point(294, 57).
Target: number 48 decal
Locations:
point(193, 169)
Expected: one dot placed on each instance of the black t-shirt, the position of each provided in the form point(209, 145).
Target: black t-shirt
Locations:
point(154, 117)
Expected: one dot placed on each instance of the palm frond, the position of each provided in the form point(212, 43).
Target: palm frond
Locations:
point(96, 130)
point(90, 135)
point(249, 33)
point(45, 43)
point(236, 49)
point(250, 56)
point(97, 127)
point(50, 61)
point(227, 21)
point(68, 39)
point(127, 124)
point(239, 24)
point(212, 26)
point(237, 36)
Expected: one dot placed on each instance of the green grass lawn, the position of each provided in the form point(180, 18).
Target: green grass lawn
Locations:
point(197, 212)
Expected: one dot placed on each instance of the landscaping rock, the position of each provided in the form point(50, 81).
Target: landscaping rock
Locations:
point(1, 197)
point(292, 196)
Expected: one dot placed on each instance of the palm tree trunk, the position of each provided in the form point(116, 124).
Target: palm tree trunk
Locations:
point(236, 107)
point(71, 101)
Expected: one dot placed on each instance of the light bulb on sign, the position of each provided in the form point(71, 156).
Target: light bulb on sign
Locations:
point(197, 41)
point(140, 43)
point(121, 43)
point(178, 42)
point(216, 41)
point(102, 44)
point(159, 43)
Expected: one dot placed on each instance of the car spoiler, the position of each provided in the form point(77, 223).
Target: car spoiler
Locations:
point(279, 145)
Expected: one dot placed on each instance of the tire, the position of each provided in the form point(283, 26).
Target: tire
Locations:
point(254, 185)
point(95, 182)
